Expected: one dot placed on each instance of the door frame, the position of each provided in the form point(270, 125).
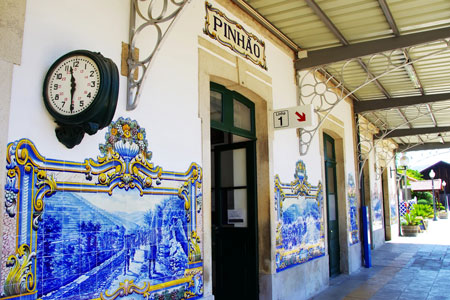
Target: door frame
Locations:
point(332, 162)
point(252, 208)
point(227, 125)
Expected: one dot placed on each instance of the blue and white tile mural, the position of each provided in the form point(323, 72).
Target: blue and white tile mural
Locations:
point(113, 228)
point(393, 198)
point(377, 210)
point(300, 235)
point(352, 211)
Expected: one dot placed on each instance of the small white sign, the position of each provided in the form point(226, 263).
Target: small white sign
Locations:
point(281, 119)
point(236, 217)
point(293, 117)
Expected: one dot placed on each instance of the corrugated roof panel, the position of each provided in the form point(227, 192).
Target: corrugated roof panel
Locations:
point(391, 117)
point(412, 140)
point(369, 92)
point(363, 20)
point(441, 111)
point(399, 140)
point(433, 70)
point(269, 8)
point(357, 20)
point(297, 20)
point(418, 116)
point(398, 84)
point(375, 120)
point(352, 75)
point(418, 15)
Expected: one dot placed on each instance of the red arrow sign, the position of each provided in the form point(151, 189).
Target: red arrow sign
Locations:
point(301, 117)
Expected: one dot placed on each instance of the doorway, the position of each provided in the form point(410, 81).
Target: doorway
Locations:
point(234, 205)
point(332, 205)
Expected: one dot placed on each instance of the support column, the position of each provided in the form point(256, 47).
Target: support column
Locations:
point(12, 19)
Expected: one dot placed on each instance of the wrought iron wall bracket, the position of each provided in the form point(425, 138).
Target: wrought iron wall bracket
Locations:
point(144, 14)
point(325, 87)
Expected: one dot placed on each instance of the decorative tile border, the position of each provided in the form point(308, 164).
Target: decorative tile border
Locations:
point(101, 229)
point(300, 233)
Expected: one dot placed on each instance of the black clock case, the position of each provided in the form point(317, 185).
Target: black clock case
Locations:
point(99, 114)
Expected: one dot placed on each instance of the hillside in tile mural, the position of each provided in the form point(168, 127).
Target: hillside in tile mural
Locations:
point(300, 235)
point(115, 227)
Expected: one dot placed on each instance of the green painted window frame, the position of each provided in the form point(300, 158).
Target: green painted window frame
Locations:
point(227, 123)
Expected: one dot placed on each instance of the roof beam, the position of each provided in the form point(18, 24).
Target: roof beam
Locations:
point(413, 131)
point(330, 25)
point(426, 146)
point(324, 18)
point(432, 116)
point(369, 105)
point(331, 55)
point(266, 24)
point(388, 15)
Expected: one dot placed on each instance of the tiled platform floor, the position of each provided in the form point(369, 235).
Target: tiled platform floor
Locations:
point(406, 268)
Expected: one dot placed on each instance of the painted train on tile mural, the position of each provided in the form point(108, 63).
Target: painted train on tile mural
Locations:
point(300, 235)
point(113, 228)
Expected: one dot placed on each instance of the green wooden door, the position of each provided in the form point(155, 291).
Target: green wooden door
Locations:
point(235, 254)
point(332, 205)
point(234, 205)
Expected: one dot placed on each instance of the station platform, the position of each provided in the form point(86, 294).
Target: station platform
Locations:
point(405, 268)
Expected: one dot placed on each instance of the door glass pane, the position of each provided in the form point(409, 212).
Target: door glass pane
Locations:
point(233, 168)
point(332, 207)
point(242, 116)
point(234, 207)
point(329, 147)
point(216, 106)
point(330, 180)
point(331, 193)
point(213, 170)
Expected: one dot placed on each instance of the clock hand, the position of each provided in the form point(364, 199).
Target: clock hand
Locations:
point(72, 89)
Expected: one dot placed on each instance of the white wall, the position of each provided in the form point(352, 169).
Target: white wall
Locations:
point(168, 105)
point(168, 108)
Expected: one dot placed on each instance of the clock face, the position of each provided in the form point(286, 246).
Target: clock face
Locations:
point(73, 85)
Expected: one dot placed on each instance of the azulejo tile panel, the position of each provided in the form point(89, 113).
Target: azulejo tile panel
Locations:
point(117, 227)
point(393, 198)
point(352, 211)
point(377, 210)
point(300, 233)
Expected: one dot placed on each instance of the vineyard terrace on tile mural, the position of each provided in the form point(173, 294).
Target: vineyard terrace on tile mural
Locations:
point(113, 228)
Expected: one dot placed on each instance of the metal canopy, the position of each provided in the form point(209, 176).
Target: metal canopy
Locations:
point(391, 57)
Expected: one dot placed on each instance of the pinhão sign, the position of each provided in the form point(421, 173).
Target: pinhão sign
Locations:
point(232, 35)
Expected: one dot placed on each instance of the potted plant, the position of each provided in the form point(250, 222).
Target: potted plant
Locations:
point(410, 224)
point(423, 212)
point(443, 214)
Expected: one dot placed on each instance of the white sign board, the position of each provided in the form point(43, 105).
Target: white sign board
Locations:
point(425, 185)
point(293, 117)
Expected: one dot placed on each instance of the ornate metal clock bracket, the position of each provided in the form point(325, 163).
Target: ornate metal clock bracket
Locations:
point(143, 13)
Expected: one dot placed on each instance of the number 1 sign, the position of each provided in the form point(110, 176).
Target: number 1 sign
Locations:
point(293, 117)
